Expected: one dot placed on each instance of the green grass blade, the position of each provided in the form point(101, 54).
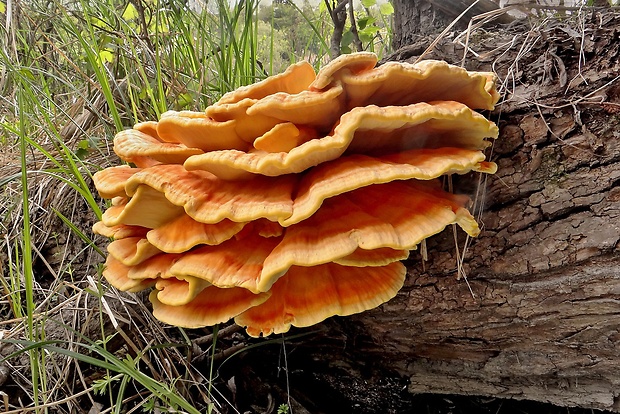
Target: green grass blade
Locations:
point(26, 253)
point(79, 232)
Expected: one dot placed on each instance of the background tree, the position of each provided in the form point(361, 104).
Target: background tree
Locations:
point(357, 29)
point(415, 20)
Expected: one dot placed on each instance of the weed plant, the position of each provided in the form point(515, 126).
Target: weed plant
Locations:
point(73, 74)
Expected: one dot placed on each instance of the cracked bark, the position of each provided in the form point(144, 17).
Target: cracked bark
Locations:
point(544, 321)
point(415, 19)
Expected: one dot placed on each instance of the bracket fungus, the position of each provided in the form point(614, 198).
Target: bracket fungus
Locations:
point(294, 199)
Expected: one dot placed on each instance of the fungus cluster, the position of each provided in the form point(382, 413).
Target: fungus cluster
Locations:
point(294, 199)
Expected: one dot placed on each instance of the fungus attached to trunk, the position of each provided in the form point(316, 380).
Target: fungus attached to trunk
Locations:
point(294, 199)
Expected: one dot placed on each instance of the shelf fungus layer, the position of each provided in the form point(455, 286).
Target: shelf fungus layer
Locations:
point(294, 199)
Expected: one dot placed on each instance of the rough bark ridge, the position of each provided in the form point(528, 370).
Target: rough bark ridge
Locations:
point(416, 19)
point(544, 320)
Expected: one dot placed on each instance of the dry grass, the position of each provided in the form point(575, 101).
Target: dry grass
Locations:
point(73, 74)
point(77, 311)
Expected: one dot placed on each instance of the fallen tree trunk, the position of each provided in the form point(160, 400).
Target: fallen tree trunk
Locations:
point(539, 315)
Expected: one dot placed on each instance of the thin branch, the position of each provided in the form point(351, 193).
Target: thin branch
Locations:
point(329, 7)
point(356, 37)
point(340, 6)
point(338, 15)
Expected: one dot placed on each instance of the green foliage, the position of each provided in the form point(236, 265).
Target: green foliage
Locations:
point(126, 368)
point(289, 34)
point(373, 23)
point(386, 9)
point(73, 74)
point(372, 26)
point(33, 330)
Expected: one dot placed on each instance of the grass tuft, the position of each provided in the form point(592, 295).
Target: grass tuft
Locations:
point(73, 74)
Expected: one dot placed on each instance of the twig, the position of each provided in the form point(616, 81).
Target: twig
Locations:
point(338, 15)
point(222, 333)
point(445, 31)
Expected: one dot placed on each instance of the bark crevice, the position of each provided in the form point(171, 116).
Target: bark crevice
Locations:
point(543, 321)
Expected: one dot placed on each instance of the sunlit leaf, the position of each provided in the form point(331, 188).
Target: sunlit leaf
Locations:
point(130, 12)
point(104, 38)
point(369, 30)
point(144, 93)
point(183, 100)
point(368, 3)
point(2, 7)
point(347, 39)
point(106, 55)
point(365, 21)
point(386, 9)
point(83, 144)
point(81, 153)
point(98, 23)
point(365, 37)
point(27, 73)
point(162, 27)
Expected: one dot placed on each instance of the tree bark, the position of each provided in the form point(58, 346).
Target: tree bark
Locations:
point(413, 20)
point(539, 315)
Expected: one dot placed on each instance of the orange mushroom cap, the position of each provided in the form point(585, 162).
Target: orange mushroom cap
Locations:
point(149, 128)
point(319, 109)
point(197, 130)
point(183, 233)
point(233, 263)
point(213, 305)
point(262, 227)
point(146, 208)
point(179, 290)
point(284, 137)
point(155, 267)
point(350, 63)
point(209, 199)
point(399, 83)
point(395, 215)
point(116, 274)
point(294, 79)
point(120, 231)
point(362, 130)
point(132, 144)
point(377, 257)
point(111, 182)
point(247, 127)
point(355, 171)
point(294, 199)
point(308, 295)
point(132, 250)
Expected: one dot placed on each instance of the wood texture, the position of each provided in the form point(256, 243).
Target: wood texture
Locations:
point(415, 19)
point(542, 319)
